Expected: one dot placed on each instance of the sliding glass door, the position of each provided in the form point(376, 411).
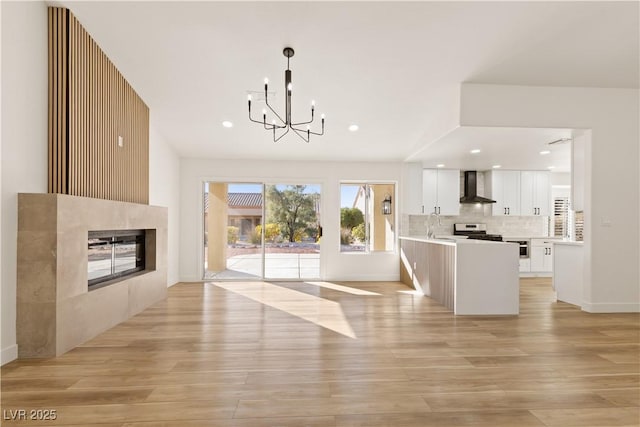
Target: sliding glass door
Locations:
point(232, 230)
point(258, 231)
point(292, 231)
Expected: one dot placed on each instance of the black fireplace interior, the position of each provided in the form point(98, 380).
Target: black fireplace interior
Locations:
point(114, 254)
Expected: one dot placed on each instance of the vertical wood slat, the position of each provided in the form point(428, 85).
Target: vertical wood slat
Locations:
point(86, 118)
point(57, 115)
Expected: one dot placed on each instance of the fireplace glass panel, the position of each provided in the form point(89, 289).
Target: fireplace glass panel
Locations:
point(114, 254)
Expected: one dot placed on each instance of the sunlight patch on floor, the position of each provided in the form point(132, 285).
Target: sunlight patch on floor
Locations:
point(342, 288)
point(322, 312)
point(412, 292)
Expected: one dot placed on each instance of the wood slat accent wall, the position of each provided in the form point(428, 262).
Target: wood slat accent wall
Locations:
point(90, 106)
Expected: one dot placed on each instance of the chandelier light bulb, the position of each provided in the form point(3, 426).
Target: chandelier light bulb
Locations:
point(266, 81)
point(249, 97)
point(289, 87)
point(322, 116)
point(264, 112)
point(313, 103)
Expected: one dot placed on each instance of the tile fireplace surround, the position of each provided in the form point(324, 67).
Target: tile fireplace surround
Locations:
point(55, 310)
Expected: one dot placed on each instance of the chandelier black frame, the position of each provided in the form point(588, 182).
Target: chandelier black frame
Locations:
point(286, 123)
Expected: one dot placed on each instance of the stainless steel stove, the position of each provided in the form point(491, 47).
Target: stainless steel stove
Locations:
point(475, 231)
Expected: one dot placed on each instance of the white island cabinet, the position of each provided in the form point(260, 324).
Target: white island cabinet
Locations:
point(470, 277)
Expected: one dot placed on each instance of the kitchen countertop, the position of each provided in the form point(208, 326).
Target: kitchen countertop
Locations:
point(451, 241)
point(530, 237)
point(568, 243)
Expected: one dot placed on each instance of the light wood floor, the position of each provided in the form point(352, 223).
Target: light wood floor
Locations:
point(296, 354)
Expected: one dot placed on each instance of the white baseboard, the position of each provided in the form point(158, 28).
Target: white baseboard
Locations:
point(9, 354)
point(611, 307)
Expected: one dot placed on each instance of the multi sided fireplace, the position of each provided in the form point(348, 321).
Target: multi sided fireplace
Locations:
point(114, 254)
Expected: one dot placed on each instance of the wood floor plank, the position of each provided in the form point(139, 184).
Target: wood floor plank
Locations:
point(74, 397)
point(209, 356)
point(622, 397)
point(512, 418)
point(330, 406)
point(589, 417)
point(121, 413)
point(500, 400)
point(240, 391)
point(249, 422)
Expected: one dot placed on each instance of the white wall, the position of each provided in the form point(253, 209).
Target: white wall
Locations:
point(560, 178)
point(23, 137)
point(164, 190)
point(334, 265)
point(612, 196)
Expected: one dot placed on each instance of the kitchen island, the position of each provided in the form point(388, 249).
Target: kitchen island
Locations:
point(470, 277)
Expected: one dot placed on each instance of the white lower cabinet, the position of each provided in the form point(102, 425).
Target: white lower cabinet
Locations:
point(525, 265)
point(541, 256)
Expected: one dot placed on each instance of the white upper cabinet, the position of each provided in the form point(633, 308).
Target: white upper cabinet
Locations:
point(411, 190)
point(534, 193)
point(441, 191)
point(429, 191)
point(449, 192)
point(504, 188)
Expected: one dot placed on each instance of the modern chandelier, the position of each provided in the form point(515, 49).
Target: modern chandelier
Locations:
point(286, 123)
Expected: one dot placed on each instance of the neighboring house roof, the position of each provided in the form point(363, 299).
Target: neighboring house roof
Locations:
point(245, 200)
point(239, 200)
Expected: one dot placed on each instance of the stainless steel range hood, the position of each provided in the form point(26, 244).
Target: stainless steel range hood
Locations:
point(471, 189)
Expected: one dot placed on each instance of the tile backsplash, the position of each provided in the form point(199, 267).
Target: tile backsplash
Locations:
point(517, 226)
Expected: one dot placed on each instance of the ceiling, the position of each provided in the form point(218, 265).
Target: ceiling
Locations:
point(508, 148)
point(389, 67)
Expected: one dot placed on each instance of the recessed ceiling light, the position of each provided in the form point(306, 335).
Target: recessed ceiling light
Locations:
point(440, 165)
point(353, 128)
point(227, 124)
point(475, 151)
point(551, 167)
point(496, 166)
point(545, 152)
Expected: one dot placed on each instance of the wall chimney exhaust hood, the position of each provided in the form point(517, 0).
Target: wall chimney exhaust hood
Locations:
point(471, 189)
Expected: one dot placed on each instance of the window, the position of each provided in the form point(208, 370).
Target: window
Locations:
point(367, 217)
point(579, 226)
point(567, 223)
point(560, 216)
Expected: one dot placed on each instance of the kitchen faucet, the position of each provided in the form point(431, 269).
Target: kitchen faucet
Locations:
point(430, 232)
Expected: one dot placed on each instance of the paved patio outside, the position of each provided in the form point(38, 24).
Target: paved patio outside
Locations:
point(277, 266)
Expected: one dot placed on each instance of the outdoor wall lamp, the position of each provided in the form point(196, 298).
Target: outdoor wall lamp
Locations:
point(386, 205)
